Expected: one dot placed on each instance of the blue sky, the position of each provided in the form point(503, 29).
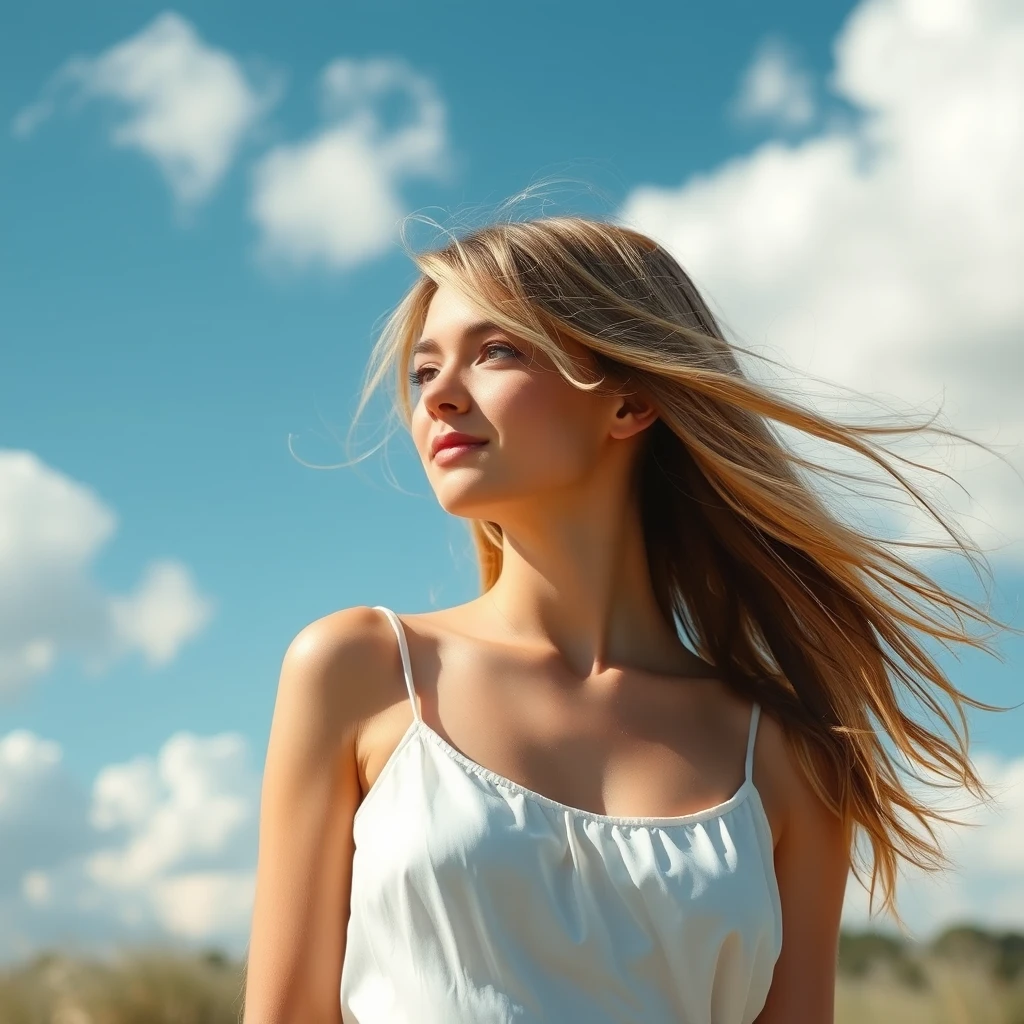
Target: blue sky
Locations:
point(198, 245)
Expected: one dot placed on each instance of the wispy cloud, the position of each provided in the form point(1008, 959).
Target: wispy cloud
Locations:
point(774, 88)
point(335, 199)
point(886, 253)
point(51, 529)
point(188, 106)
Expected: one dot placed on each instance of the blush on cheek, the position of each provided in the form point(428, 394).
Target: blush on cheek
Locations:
point(544, 401)
point(546, 439)
point(557, 405)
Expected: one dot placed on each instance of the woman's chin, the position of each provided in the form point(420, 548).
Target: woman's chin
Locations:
point(466, 501)
point(464, 509)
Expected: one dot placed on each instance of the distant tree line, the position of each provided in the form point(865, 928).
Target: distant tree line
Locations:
point(999, 953)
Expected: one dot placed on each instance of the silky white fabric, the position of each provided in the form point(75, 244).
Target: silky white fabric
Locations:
point(477, 900)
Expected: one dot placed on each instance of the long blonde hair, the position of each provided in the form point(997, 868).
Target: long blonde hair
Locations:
point(795, 608)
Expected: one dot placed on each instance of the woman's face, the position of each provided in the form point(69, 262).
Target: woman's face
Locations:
point(544, 437)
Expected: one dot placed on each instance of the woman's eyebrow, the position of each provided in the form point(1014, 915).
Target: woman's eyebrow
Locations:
point(478, 327)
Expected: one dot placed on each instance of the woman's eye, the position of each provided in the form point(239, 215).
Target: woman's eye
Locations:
point(417, 377)
point(503, 344)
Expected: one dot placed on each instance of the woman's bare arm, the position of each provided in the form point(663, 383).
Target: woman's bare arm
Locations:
point(310, 794)
point(812, 863)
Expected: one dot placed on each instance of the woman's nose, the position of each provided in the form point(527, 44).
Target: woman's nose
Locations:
point(447, 390)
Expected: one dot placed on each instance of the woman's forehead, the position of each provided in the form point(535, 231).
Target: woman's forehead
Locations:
point(451, 316)
point(450, 309)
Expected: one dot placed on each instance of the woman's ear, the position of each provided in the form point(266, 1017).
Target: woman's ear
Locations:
point(633, 414)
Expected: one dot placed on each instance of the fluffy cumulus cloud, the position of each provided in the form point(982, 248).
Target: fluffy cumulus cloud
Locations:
point(335, 198)
point(162, 848)
point(885, 253)
point(187, 105)
point(51, 529)
point(774, 87)
point(986, 882)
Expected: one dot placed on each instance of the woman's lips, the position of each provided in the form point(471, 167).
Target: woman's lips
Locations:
point(455, 452)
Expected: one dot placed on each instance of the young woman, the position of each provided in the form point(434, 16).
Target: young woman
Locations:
point(543, 804)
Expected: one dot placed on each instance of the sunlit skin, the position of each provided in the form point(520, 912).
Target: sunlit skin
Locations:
point(555, 476)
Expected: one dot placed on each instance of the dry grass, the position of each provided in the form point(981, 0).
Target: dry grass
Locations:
point(139, 987)
point(966, 976)
point(952, 994)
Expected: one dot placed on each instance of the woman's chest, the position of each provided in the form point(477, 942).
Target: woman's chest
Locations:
point(652, 760)
point(440, 841)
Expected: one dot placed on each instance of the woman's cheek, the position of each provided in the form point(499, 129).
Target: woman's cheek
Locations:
point(544, 432)
point(419, 428)
point(527, 403)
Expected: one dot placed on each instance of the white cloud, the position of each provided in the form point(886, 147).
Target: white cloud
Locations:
point(986, 883)
point(42, 814)
point(887, 254)
point(160, 613)
point(51, 529)
point(335, 198)
point(774, 88)
point(182, 809)
point(206, 904)
point(36, 887)
point(164, 849)
point(188, 106)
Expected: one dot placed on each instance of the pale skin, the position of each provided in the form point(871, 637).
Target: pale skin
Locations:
point(564, 677)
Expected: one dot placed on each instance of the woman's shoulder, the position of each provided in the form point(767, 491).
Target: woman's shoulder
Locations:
point(790, 800)
point(345, 662)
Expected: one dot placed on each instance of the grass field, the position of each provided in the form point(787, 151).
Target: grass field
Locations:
point(966, 976)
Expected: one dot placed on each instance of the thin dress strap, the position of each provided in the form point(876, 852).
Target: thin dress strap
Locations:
point(755, 714)
point(403, 646)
